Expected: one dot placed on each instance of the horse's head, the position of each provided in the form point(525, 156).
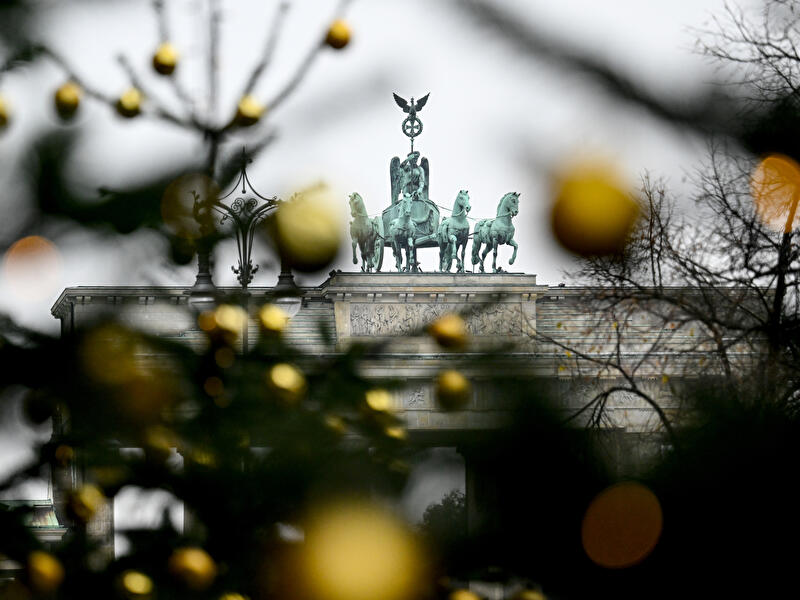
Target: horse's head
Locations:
point(405, 206)
point(509, 204)
point(357, 208)
point(461, 203)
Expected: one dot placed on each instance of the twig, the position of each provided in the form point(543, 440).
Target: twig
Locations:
point(269, 48)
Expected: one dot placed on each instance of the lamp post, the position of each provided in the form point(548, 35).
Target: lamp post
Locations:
point(245, 209)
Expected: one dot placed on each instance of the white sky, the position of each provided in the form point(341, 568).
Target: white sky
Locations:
point(496, 122)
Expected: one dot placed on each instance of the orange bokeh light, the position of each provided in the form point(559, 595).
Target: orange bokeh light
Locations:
point(775, 186)
point(32, 268)
point(622, 525)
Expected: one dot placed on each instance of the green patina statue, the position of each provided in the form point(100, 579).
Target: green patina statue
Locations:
point(453, 234)
point(365, 233)
point(495, 232)
point(412, 219)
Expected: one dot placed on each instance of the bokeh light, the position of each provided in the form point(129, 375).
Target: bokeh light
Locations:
point(194, 567)
point(32, 268)
point(775, 186)
point(622, 525)
point(45, 572)
point(593, 211)
point(307, 229)
point(359, 551)
point(178, 201)
point(449, 331)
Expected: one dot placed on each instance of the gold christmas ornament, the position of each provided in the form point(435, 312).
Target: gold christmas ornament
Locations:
point(248, 111)
point(453, 390)
point(463, 594)
point(273, 318)
point(67, 99)
point(64, 454)
point(359, 551)
point(45, 572)
point(396, 432)
point(528, 594)
point(449, 331)
point(165, 59)
point(85, 501)
point(338, 34)
point(136, 584)
point(129, 104)
point(307, 229)
point(287, 382)
point(4, 113)
point(233, 596)
point(593, 214)
point(194, 567)
point(379, 399)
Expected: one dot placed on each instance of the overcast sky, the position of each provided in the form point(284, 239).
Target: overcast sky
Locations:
point(495, 122)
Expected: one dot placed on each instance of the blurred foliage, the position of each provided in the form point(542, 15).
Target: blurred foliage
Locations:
point(282, 457)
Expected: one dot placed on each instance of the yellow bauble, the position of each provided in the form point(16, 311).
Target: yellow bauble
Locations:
point(359, 551)
point(4, 113)
point(248, 111)
point(194, 567)
point(165, 59)
point(528, 594)
point(129, 104)
point(593, 215)
point(45, 572)
point(287, 382)
point(463, 594)
point(453, 390)
point(85, 501)
point(379, 399)
point(338, 34)
point(67, 99)
point(449, 331)
point(136, 584)
point(273, 318)
point(307, 230)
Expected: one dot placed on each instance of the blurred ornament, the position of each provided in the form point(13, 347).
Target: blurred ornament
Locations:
point(338, 34)
point(336, 424)
point(273, 318)
point(45, 572)
point(136, 584)
point(449, 331)
point(158, 442)
point(233, 596)
point(378, 399)
point(85, 501)
point(396, 432)
point(67, 99)
point(287, 382)
point(359, 551)
point(129, 104)
point(529, 594)
point(463, 594)
point(194, 567)
point(775, 187)
point(307, 229)
point(64, 454)
point(165, 59)
point(453, 390)
point(224, 357)
point(248, 111)
point(5, 114)
point(622, 525)
point(593, 213)
point(213, 386)
point(32, 268)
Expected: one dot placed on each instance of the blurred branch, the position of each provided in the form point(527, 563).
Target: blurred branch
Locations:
point(269, 48)
point(713, 113)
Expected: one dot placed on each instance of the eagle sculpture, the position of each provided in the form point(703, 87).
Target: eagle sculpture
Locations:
point(411, 107)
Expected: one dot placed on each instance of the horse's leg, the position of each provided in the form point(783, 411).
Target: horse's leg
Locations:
point(494, 256)
point(453, 247)
point(485, 252)
point(460, 260)
point(514, 255)
point(411, 255)
point(398, 255)
point(355, 260)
